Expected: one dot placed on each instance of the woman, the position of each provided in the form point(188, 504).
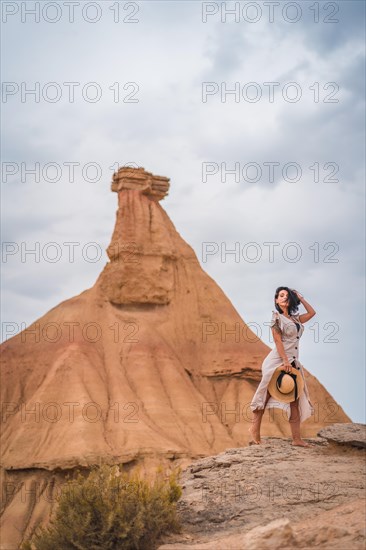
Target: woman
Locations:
point(287, 328)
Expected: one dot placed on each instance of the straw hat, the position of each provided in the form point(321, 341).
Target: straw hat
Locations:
point(283, 385)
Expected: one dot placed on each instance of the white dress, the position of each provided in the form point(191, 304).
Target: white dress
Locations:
point(290, 336)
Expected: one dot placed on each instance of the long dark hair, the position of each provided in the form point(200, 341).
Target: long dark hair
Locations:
point(293, 300)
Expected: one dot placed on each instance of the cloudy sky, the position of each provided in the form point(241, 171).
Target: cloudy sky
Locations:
point(278, 160)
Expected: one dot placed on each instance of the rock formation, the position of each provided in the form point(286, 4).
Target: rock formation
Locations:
point(276, 497)
point(136, 369)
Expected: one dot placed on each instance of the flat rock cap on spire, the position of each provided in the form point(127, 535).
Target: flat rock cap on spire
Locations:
point(128, 177)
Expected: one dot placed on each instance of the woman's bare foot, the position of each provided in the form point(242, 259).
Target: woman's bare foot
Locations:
point(256, 440)
point(300, 443)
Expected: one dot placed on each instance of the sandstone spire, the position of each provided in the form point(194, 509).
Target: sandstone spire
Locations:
point(155, 187)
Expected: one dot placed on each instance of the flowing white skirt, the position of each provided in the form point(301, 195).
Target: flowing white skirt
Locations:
point(269, 365)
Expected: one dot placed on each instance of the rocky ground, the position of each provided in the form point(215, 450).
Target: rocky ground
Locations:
point(273, 495)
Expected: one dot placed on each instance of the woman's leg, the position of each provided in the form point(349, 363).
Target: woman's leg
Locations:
point(295, 425)
point(255, 429)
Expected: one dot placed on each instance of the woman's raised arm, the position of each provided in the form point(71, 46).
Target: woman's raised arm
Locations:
point(310, 310)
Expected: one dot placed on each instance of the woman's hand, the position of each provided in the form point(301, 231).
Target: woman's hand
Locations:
point(297, 294)
point(287, 366)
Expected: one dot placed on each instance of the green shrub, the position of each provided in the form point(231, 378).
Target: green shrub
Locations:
point(110, 509)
